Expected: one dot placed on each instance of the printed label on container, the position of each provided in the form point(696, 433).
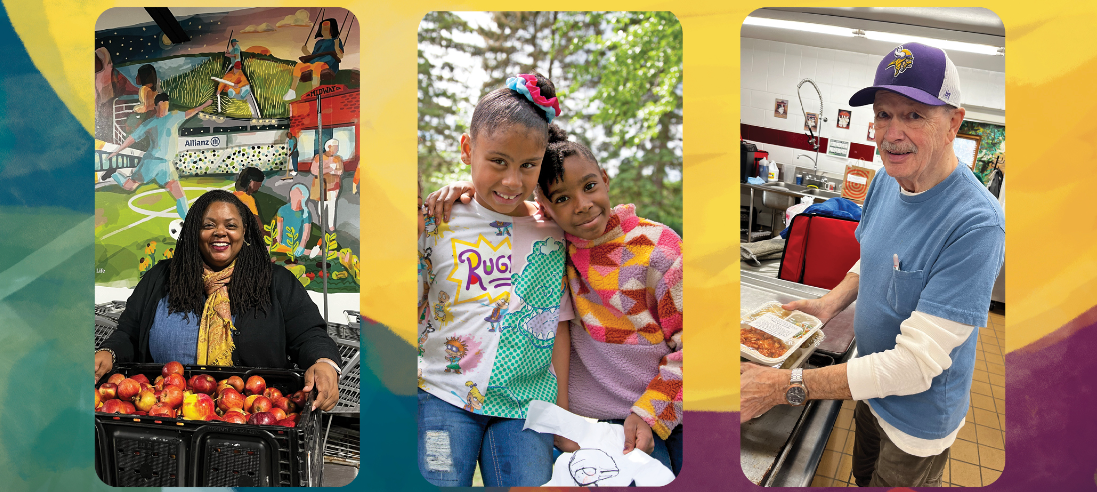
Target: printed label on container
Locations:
point(772, 324)
point(856, 179)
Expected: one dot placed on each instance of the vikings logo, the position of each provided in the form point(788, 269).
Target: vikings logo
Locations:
point(904, 59)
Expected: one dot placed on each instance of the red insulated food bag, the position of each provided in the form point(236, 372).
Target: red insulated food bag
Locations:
point(819, 250)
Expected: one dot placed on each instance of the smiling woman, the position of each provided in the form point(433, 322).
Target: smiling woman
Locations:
point(220, 301)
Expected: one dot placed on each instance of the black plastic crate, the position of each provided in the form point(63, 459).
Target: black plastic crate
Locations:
point(146, 451)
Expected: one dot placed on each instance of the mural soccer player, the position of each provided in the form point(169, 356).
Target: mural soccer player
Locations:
point(156, 164)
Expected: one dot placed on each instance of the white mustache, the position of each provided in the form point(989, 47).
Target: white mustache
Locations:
point(898, 148)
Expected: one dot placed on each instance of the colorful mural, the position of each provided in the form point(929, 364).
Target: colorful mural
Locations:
point(992, 145)
point(235, 108)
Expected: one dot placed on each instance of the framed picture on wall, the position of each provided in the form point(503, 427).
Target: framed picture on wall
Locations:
point(871, 132)
point(967, 148)
point(811, 122)
point(780, 108)
point(844, 115)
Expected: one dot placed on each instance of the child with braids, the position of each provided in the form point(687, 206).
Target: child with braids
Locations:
point(494, 316)
point(625, 278)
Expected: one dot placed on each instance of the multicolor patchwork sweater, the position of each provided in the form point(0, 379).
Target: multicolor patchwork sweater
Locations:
point(626, 340)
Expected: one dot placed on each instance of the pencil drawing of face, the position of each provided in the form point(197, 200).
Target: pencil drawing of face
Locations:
point(590, 466)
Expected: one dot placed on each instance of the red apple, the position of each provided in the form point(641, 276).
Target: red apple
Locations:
point(256, 385)
point(235, 418)
point(294, 416)
point(141, 378)
point(285, 404)
point(262, 418)
point(278, 413)
point(98, 400)
point(287, 423)
point(202, 383)
point(139, 412)
point(249, 401)
point(170, 368)
point(237, 382)
point(298, 398)
point(147, 386)
point(161, 410)
point(175, 380)
point(272, 393)
point(261, 404)
point(116, 378)
point(112, 406)
point(145, 400)
point(198, 407)
point(128, 389)
point(171, 397)
point(230, 399)
point(158, 383)
point(108, 391)
point(127, 408)
point(221, 385)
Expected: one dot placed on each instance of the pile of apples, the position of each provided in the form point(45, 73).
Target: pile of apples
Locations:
point(201, 398)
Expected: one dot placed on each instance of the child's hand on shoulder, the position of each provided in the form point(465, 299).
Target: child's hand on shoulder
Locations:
point(638, 435)
point(441, 202)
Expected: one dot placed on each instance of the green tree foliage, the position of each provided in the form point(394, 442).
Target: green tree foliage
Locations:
point(619, 76)
point(440, 98)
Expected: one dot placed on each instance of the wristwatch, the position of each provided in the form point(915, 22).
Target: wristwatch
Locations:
point(796, 394)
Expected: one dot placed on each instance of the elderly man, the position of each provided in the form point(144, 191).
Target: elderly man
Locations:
point(932, 241)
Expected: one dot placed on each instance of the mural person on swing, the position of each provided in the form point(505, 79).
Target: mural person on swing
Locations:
point(322, 61)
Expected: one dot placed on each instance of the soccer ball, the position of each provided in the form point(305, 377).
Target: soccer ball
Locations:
point(174, 228)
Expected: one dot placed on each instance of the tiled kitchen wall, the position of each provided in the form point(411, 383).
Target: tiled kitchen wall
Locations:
point(771, 70)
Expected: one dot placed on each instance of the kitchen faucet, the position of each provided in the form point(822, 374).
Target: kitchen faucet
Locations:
point(814, 179)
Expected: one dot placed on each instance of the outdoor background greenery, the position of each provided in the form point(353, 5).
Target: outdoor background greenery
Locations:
point(618, 75)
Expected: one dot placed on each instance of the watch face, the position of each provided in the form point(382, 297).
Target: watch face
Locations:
point(796, 395)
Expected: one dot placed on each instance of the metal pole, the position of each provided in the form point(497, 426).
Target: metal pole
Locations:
point(323, 199)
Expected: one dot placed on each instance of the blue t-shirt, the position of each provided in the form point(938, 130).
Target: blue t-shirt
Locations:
point(165, 133)
point(951, 242)
point(295, 219)
point(323, 45)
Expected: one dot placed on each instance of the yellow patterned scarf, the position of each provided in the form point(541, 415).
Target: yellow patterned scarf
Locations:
point(215, 329)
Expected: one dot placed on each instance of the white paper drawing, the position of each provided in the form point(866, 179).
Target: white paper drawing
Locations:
point(599, 462)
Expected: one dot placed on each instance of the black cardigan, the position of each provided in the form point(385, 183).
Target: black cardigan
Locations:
point(292, 329)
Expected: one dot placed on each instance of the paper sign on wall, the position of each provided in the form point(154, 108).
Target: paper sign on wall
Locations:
point(838, 148)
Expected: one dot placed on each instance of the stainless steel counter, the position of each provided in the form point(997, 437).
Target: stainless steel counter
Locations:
point(783, 447)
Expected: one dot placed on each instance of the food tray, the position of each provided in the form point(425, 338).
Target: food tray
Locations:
point(810, 325)
point(143, 451)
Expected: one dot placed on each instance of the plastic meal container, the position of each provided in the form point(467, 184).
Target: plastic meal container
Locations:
point(806, 326)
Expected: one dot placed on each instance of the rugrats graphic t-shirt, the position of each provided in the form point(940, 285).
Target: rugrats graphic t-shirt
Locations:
point(495, 292)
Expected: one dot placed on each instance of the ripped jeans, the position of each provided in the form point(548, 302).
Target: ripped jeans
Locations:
point(451, 440)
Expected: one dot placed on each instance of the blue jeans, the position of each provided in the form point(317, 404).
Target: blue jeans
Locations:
point(451, 440)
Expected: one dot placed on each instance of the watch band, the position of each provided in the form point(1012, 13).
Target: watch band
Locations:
point(797, 376)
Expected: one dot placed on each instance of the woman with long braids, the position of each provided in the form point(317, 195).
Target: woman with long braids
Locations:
point(220, 301)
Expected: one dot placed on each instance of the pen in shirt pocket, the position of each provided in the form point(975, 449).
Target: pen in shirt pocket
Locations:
point(895, 260)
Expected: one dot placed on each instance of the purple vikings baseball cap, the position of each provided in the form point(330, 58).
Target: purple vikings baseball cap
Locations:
point(922, 73)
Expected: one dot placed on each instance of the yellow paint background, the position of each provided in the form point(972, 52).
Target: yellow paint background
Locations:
point(1050, 73)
